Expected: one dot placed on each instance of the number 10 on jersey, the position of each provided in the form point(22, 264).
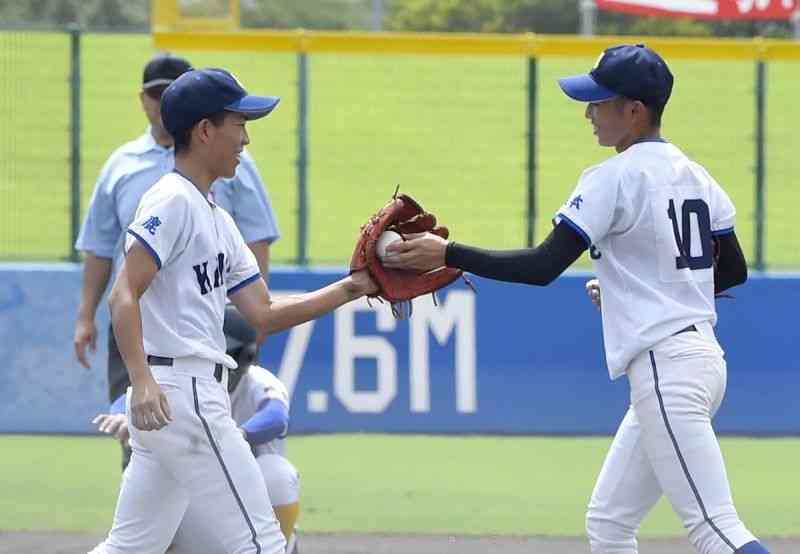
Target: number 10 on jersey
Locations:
point(682, 232)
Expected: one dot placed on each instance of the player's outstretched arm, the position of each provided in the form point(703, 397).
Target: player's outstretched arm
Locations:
point(270, 315)
point(533, 266)
point(148, 405)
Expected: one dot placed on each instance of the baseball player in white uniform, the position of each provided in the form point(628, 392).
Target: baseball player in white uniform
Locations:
point(130, 171)
point(260, 407)
point(184, 257)
point(654, 222)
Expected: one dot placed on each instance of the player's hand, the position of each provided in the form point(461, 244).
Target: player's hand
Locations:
point(85, 337)
point(420, 252)
point(593, 290)
point(113, 424)
point(361, 284)
point(148, 406)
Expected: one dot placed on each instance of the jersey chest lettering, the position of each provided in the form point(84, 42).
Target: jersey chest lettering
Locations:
point(203, 278)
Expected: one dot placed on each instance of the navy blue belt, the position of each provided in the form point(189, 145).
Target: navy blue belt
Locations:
point(161, 360)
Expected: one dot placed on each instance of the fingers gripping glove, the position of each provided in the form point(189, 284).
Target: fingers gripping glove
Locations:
point(403, 215)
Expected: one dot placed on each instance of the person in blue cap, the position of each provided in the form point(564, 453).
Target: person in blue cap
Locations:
point(660, 233)
point(184, 257)
point(128, 173)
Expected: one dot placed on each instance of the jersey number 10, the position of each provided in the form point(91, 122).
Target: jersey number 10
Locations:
point(683, 236)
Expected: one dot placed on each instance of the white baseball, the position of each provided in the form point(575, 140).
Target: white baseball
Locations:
point(386, 238)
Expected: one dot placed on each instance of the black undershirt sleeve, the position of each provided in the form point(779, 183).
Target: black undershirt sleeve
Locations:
point(731, 267)
point(533, 266)
point(541, 265)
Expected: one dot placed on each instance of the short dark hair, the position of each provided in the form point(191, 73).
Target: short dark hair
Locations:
point(184, 139)
point(654, 111)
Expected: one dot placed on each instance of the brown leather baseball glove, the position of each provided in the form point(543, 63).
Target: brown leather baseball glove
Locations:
point(403, 215)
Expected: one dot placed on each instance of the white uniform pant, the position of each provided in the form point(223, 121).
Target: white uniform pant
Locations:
point(283, 484)
point(199, 460)
point(666, 445)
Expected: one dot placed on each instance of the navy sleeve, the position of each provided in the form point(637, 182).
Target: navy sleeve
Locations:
point(731, 267)
point(270, 422)
point(532, 266)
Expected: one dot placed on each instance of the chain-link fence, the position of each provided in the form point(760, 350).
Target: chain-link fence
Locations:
point(450, 129)
point(35, 146)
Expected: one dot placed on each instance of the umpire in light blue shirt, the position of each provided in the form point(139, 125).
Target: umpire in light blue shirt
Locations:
point(130, 171)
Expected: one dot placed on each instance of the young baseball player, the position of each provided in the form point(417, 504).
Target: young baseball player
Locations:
point(183, 257)
point(260, 407)
point(654, 223)
point(130, 171)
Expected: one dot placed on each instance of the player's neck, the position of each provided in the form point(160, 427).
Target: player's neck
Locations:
point(196, 172)
point(647, 135)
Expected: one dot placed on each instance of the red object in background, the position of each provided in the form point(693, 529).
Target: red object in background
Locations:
point(705, 9)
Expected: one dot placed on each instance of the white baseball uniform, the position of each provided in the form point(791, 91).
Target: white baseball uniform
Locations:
point(200, 458)
point(281, 477)
point(649, 214)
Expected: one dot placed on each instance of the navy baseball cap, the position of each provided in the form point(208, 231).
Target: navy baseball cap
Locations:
point(200, 93)
point(635, 72)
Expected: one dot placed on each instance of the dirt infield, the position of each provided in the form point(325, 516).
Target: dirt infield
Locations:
point(344, 543)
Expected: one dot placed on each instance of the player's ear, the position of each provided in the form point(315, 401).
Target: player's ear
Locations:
point(640, 111)
point(204, 130)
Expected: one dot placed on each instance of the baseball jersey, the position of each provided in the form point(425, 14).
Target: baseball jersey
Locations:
point(649, 214)
point(256, 386)
point(201, 258)
point(135, 167)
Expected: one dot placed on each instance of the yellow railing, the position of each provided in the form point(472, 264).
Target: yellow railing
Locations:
point(529, 45)
point(167, 15)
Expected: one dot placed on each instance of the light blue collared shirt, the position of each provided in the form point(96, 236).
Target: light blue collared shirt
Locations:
point(135, 167)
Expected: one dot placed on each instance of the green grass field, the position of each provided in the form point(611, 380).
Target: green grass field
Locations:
point(450, 130)
point(403, 484)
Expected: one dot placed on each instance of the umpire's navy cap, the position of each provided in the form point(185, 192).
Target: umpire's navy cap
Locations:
point(635, 72)
point(200, 93)
point(162, 69)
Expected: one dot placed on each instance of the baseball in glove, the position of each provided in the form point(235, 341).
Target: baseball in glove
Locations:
point(402, 215)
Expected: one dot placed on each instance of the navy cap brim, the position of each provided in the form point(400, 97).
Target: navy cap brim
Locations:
point(254, 107)
point(585, 89)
